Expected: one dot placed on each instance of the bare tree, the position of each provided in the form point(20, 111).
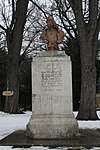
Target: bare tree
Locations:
point(88, 29)
point(13, 26)
point(20, 24)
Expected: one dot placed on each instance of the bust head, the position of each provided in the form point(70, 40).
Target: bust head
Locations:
point(50, 22)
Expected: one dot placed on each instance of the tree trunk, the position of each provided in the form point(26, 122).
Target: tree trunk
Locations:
point(87, 109)
point(0, 104)
point(14, 43)
point(86, 31)
point(12, 105)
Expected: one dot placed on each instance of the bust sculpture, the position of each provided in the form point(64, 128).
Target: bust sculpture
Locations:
point(52, 36)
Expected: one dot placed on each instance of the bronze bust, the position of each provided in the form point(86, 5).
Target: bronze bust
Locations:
point(52, 36)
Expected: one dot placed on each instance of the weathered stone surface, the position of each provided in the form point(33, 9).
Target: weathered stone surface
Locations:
point(52, 116)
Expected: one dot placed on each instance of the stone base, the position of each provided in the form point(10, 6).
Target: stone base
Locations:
point(52, 127)
point(52, 115)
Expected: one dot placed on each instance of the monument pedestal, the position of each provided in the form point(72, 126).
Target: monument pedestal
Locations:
point(52, 115)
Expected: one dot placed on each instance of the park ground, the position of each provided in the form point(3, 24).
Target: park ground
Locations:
point(10, 123)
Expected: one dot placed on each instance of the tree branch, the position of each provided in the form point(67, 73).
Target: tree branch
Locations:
point(71, 25)
point(62, 20)
point(93, 10)
point(39, 8)
point(2, 27)
point(13, 15)
point(77, 8)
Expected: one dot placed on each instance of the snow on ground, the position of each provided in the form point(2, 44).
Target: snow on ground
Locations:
point(89, 124)
point(12, 122)
point(46, 148)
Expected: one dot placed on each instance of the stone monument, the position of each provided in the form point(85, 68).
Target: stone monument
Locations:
point(52, 112)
